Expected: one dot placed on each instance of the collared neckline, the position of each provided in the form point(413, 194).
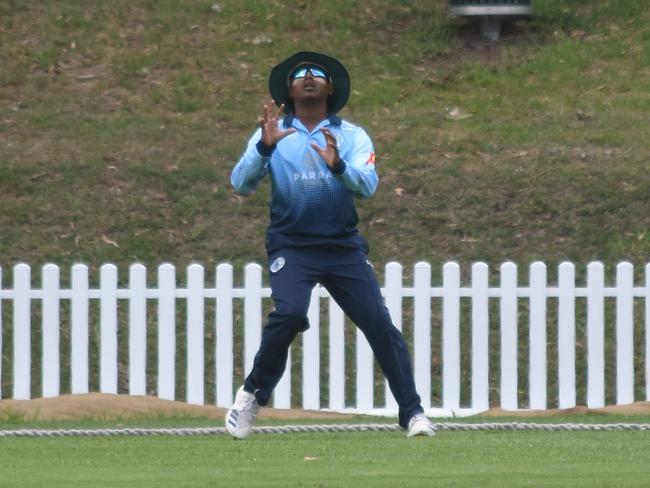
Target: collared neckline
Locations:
point(288, 120)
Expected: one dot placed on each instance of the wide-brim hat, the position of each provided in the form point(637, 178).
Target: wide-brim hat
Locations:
point(279, 79)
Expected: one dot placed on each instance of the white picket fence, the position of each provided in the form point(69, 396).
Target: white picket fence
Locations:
point(167, 295)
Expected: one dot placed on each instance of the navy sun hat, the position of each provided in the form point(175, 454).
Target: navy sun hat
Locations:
point(339, 77)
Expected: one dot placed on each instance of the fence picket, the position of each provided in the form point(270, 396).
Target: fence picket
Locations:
point(451, 337)
point(595, 335)
point(108, 329)
point(195, 334)
point(22, 332)
point(336, 356)
point(480, 337)
point(365, 373)
point(566, 336)
point(224, 336)
point(422, 332)
point(537, 347)
point(79, 330)
point(166, 332)
point(624, 334)
point(282, 392)
point(647, 332)
point(0, 332)
point(252, 313)
point(51, 337)
point(311, 356)
point(137, 330)
point(509, 379)
point(393, 300)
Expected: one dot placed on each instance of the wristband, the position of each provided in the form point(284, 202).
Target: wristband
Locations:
point(339, 169)
point(265, 150)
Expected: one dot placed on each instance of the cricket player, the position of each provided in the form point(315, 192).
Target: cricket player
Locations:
point(318, 164)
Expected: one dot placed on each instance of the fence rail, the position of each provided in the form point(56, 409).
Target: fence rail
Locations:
point(315, 359)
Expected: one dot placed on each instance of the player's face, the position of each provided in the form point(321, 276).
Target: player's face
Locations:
point(310, 83)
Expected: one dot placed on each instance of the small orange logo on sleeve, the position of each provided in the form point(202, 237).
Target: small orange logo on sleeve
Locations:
point(371, 158)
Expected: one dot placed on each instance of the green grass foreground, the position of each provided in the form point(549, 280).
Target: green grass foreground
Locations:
point(325, 460)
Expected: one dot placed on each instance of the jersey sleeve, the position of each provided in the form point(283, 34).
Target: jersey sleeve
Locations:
point(251, 168)
point(359, 174)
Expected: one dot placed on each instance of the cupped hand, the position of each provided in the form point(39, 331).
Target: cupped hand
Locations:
point(330, 153)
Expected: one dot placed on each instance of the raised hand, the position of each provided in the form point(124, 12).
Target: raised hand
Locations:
point(271, 133)
point(330, 153)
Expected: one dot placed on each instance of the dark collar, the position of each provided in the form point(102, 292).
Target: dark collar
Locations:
point(288, 120)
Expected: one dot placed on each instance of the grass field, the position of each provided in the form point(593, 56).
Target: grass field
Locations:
point(328, 460)
point(462, 459)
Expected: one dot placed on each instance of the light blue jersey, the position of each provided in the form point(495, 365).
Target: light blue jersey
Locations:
point(310, 204)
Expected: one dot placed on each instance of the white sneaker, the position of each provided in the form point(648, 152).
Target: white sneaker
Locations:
point(420, 425)
point(241, 416)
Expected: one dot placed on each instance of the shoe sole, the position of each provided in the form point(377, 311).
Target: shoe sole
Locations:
point(423, 432)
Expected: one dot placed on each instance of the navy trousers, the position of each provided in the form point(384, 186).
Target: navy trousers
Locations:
point(349, 278)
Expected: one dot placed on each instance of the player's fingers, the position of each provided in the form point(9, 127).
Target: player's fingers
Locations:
point(273, 109)
point(328, 135)
point(286, 133)
point(329, 138)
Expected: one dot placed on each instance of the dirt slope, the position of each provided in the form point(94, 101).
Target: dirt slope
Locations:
point(103, 406)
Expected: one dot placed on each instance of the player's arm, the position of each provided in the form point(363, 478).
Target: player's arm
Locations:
point(358, 173)
point(252, 166)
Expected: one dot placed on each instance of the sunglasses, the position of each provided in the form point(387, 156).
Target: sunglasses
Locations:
point(315, 71)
